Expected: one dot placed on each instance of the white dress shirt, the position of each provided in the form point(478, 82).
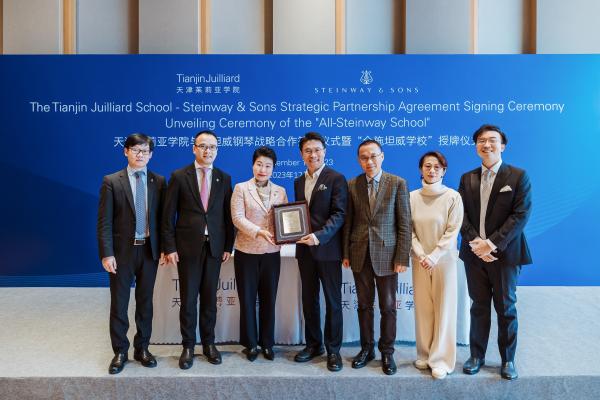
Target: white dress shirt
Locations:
point(309, 185)
point(131, 174)
point(485, 197)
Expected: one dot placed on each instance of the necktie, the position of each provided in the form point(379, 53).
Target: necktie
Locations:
point(372, 194)
point(486, 188)
point(204, 188)
point(140, 206)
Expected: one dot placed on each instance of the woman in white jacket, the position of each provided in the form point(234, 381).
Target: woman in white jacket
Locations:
point(437, 213)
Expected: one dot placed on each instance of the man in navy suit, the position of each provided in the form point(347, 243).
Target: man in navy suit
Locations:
point(497, 202)
point(198, 236)
point(130, 248)
point(319, 254)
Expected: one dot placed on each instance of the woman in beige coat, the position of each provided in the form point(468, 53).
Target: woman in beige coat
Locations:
point(437, 214)
point(256, 259)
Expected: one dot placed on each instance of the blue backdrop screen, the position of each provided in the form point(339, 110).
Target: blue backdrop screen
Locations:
point(64, 120)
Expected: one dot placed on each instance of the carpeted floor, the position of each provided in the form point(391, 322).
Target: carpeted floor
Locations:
point(54, 343)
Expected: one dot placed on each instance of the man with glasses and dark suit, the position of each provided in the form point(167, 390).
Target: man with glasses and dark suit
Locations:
point(130, 247)
point(198, 236)
point(497, 202)
point(319, 254)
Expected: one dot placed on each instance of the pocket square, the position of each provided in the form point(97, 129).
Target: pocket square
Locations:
point(322, 187)
point(506, 189)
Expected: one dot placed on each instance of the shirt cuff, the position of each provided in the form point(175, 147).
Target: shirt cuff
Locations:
point(492, 245)
point(315, 239)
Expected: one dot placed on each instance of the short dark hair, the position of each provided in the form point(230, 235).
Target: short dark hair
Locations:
point(488, 127)
point(367, 142)
point(264, 151)
point(139, 138)
point(311, 136)
point(440, 157)
point(206, 132)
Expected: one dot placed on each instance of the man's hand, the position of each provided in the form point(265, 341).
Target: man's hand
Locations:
point(307, 240)
point(346, 263)
point(488, 258)
point(110, 264)
point(480, 247)
point(172, 258)
point(399, 268)
point(162, 260)
point(265, 234)
point(226, 256)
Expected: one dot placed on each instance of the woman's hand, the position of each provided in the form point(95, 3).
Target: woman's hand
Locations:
point(265, 234)
point(426, 263)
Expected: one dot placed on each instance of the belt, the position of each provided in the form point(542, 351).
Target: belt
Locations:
point(139, 242)
point(206, 238)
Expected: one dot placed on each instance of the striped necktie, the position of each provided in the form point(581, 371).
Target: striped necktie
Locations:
point(140, 205)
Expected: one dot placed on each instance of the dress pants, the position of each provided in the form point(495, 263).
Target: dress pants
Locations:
point(435, 295)
point(198, 276)
point(141, 269)
point(257, 274)
point(487, 282)
point(365, 281)
point(329, 274)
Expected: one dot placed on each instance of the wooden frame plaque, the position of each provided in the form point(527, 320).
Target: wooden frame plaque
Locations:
point(292, 221)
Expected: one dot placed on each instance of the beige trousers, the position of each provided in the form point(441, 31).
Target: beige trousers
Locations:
point(435, 295)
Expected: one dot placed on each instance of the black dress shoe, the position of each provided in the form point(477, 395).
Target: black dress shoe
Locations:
point(388, 365)
point(251, 354)
point(117, 363)
point(186, 360)
point(308, 353)
point(473, 365)
point(145, 357)
point(509, 371)
point(268, 353)
point(362, 358)
point(212, 354)
point(334, 362)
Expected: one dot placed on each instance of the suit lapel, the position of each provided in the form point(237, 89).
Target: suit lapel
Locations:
point(254, 193)
point(380, 192)
point(499, 182)
point(275, 193)
point(319, 182)
point(124, 178)
point(301, 182)
point(215, 187)
point(193, 182)
point(475, 189)
point(151, 185)
point(362, 191)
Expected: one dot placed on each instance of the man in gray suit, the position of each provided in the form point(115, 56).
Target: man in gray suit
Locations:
point(377, 239)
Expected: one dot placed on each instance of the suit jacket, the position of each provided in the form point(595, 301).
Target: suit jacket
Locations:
point(506, 215)
point(185, 219)
point(116, 215)
point(249, 215)
point(327, 210)
point(386, 233)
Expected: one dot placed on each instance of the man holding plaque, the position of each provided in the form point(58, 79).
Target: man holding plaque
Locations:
point(319, 254)
point(377, 240)
point(198, 236)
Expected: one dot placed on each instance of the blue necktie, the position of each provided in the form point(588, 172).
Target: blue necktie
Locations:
point(140, 206)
